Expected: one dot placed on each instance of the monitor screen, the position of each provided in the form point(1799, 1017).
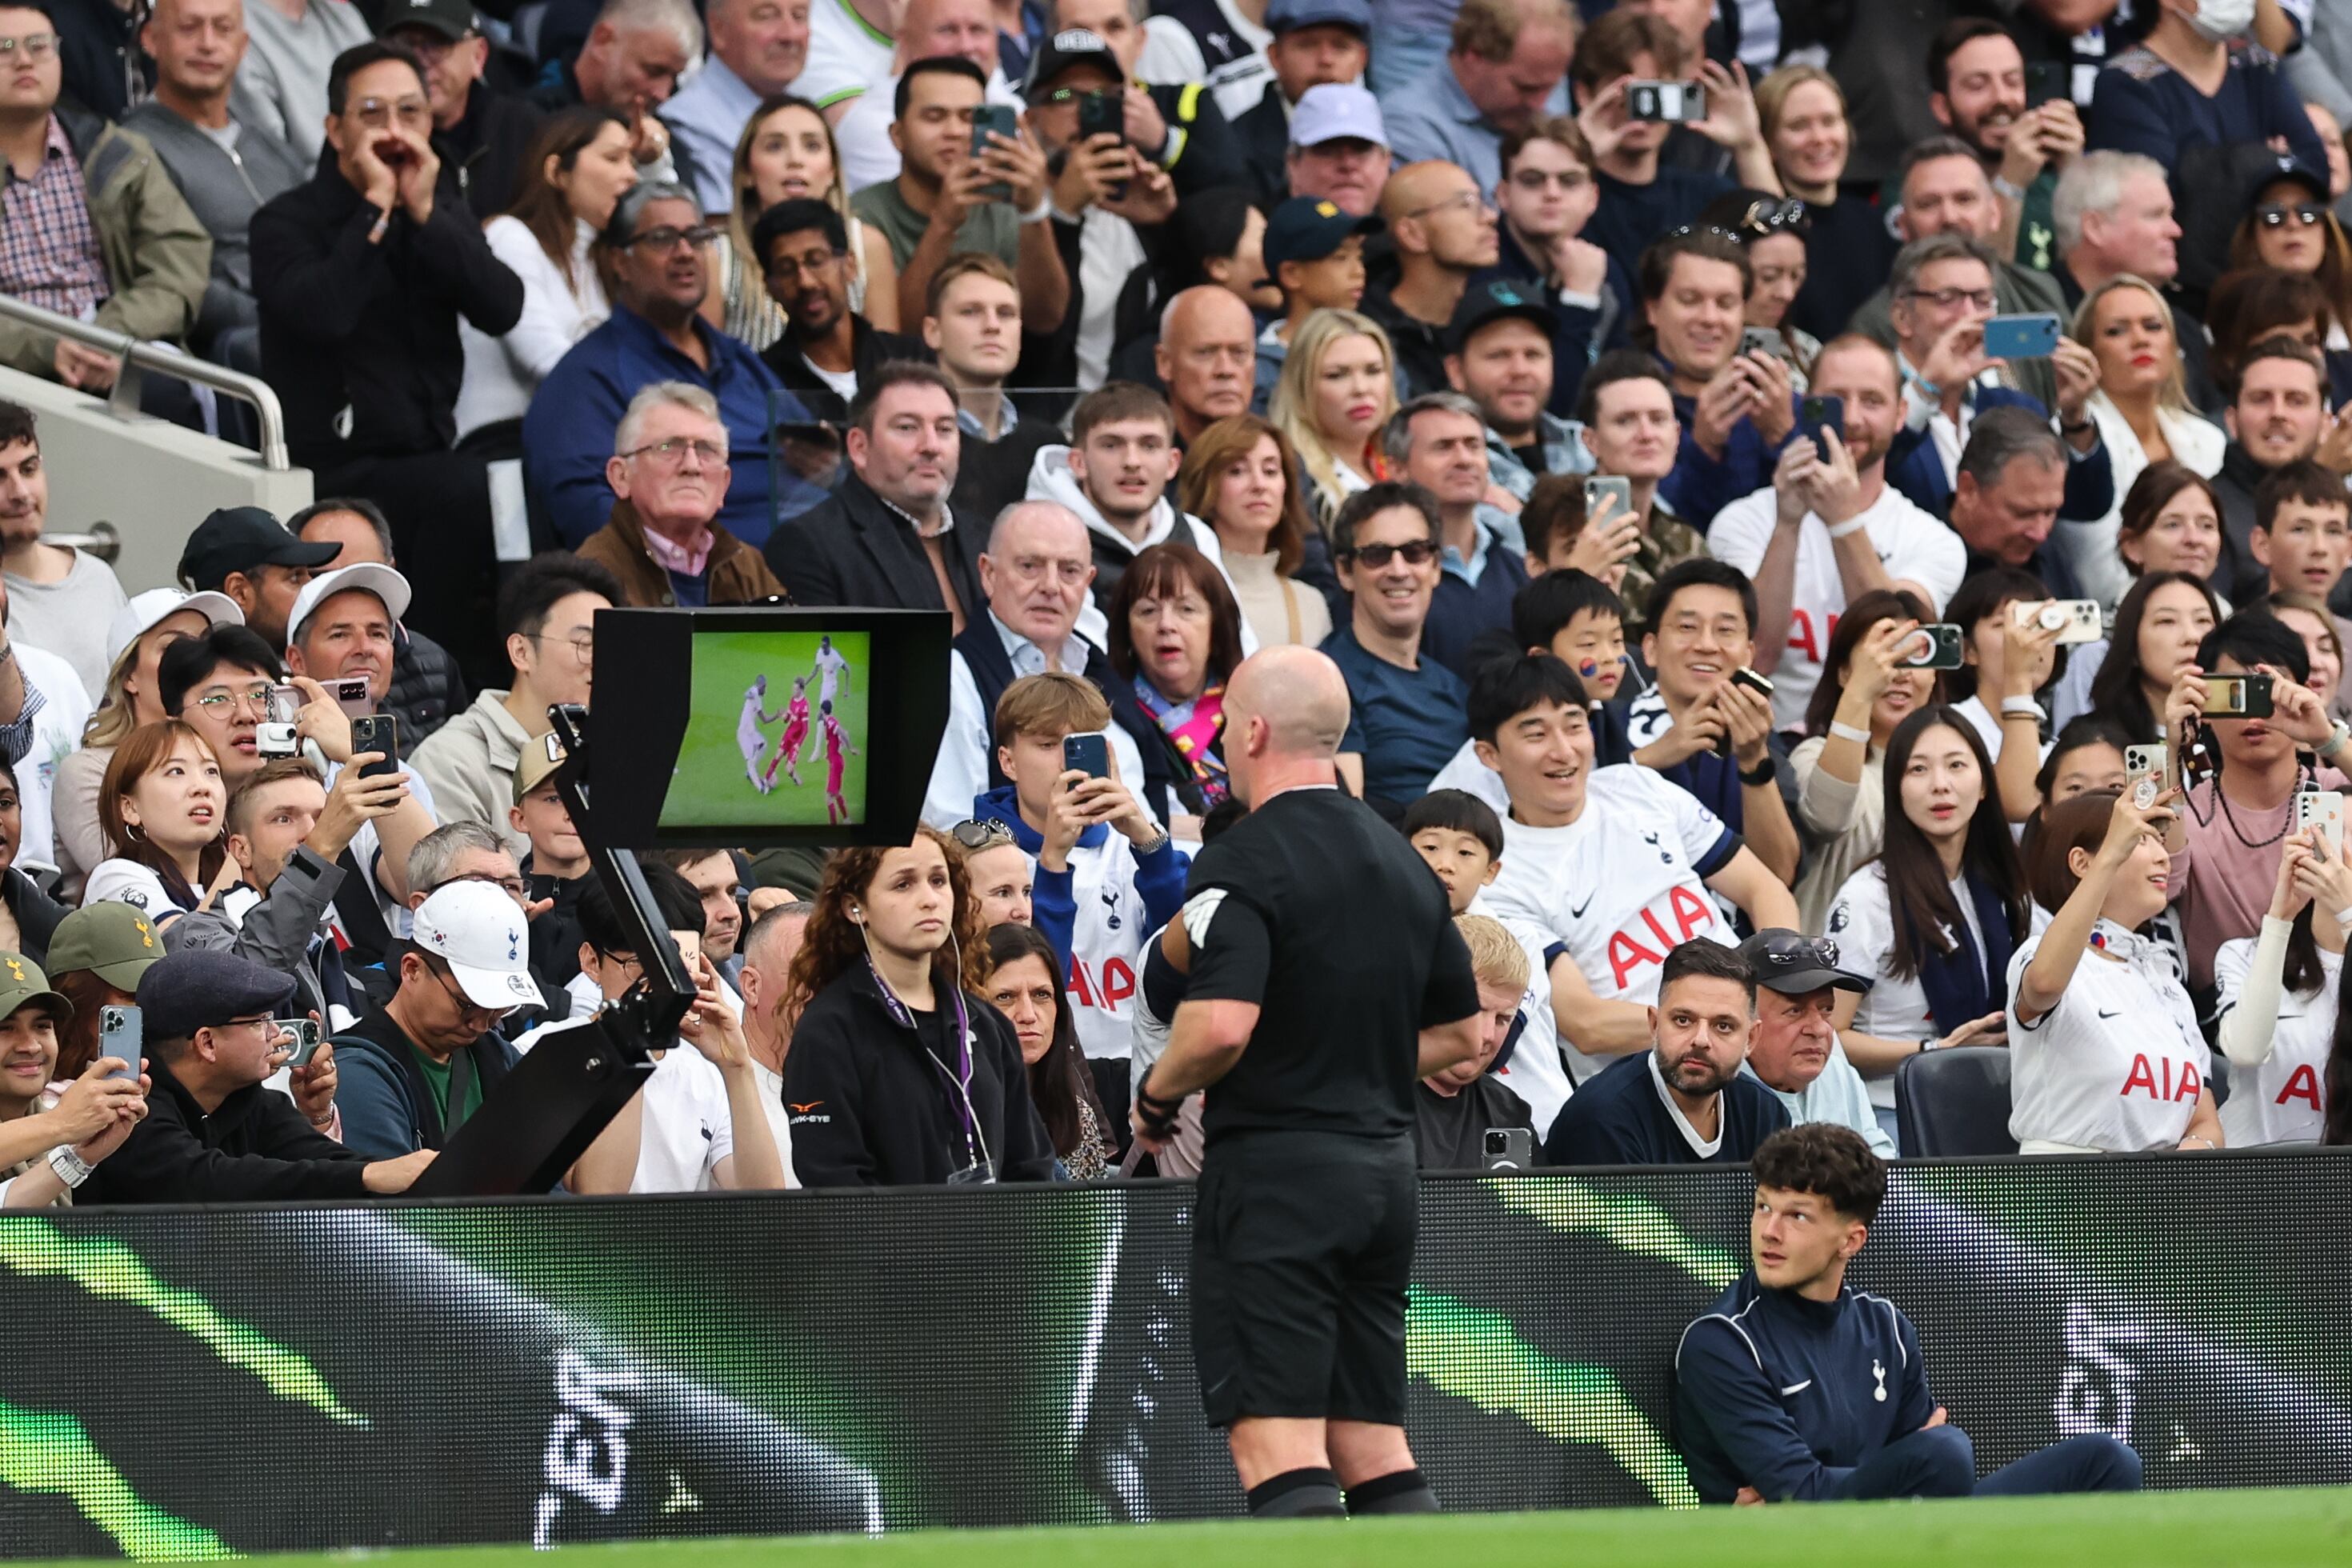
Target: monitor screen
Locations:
point(777, 731)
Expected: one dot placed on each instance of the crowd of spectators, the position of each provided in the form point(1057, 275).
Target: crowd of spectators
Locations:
point(1621, 396)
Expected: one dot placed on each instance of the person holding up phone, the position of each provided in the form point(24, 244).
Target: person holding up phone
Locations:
point(2224, 869)
point(1831, 529)
point(2278, 999)
point(1736, 410)
point(51, 1133)
point(1107, 875)
point(2107, 1056)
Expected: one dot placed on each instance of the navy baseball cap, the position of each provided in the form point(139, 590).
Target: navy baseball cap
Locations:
point(1493, 301)
point(2284, 166)
point(1309, 228)
point(244, 539)
point(1289, 16)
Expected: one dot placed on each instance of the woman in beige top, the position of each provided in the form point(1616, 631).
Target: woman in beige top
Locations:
point(1240, 478)
point(1864, 693)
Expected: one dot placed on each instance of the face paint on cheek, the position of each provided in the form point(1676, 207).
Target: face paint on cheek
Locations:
point(1588, 668)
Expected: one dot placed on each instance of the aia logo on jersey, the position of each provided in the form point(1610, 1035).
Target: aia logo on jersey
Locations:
point(1107, 987)
point(2156, 1079)
point(2302, 1084)
point(1647, 938)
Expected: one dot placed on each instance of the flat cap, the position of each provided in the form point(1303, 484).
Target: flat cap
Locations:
point(184, 991)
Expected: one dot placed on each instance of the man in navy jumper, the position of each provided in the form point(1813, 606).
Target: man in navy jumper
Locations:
point(1797, 1388)
point(1736, 410)
point(1438, 441)
point(1684, 1101)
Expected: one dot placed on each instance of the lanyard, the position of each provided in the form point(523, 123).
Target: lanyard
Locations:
point(905, 1018)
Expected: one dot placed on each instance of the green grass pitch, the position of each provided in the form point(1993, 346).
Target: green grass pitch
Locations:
point(710, 786)
point(2284, 1529)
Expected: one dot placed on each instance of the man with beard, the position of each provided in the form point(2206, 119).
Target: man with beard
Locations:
point(1795, 1052)
point(1684, 1101)
point(828, 349)
point(2278, 416)
point(1976, 80)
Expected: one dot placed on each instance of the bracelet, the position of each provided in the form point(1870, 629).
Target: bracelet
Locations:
point(1934, 394)
point(1928, 1043)
point(2004, 186)
point(1158, 1115)
point(1042, 210)
point(1763, 774)
point(2021, 708)
point(68, 1166)
point(1143, 851)
point(1849, 528)
point(2335, 739)
point(2344, 918)
point(1842, 731)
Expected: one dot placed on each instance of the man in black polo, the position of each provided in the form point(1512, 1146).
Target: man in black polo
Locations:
point(1327, 979)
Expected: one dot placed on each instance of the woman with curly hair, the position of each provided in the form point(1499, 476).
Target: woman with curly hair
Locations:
point(901, 1073)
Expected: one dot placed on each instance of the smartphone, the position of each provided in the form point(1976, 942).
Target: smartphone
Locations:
point(2145, 770)
point(1598, 485)
point(2045, 82)
point(1104, 114)
point(2075, 620)
point(351, 695)
point(377, 732)
point(2020, 337)
point(1937, 646)
point(1817, 413)
point(1667, 102)
point(1089, 753)
point(122, 1032)
point(997, 119)
point(1761, 340)
point(2323, 809)
point(2237, 696)
point(1760, 684)
point(306, 1038)
point(1509, 1148)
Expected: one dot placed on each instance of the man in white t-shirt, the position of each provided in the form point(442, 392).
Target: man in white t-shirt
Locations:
point(698, 1123)
point(1829, 531)
point(61, 600)
point(769, 949)
point(1611, 867)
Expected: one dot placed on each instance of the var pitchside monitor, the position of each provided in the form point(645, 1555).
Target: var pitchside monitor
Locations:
point(753, 727)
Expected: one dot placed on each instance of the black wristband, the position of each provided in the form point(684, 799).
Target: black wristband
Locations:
point(1766, 771)
point(1152, 1102)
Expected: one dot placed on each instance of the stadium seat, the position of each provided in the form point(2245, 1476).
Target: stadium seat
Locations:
point(1954, 1102)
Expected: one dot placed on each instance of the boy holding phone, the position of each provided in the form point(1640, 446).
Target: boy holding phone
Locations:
point(1107, 875)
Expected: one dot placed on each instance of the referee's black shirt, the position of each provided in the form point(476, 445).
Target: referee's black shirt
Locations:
point(1316, 910)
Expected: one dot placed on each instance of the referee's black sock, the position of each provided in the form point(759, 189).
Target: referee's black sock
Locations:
point(1399, 1491)
point(1311, 1493)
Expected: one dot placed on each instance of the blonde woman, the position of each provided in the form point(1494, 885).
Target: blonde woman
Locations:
point(787, 152)
point(2143, 413)
point(1337, 390)
point(1848, 251)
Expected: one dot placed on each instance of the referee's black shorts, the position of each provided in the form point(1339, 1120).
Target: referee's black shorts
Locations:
point(1302, 1251)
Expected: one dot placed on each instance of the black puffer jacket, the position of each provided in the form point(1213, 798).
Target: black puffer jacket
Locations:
point(873, 1105)
point(425, 689)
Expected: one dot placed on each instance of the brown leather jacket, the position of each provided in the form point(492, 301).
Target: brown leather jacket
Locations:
point(737, 574)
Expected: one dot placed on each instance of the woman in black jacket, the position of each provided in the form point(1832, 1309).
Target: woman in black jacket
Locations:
point(900, 1073)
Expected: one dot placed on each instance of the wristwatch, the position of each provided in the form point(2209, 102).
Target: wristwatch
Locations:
point(1763, 775)
point(1155, 846)
point(70, 1167)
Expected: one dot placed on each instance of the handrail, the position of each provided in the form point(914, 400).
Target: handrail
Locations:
point(103, 541)
point(134, 356)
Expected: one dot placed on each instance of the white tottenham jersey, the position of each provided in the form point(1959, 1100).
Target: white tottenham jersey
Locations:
point(1106, 946)
point(2283, 1099)
point(2118, 1064)
point(1619, 888)
point(1911, 546)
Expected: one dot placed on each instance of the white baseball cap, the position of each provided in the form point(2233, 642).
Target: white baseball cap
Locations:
point(371, 575)
point(1332, 110)
point(139, 616)
point(479, 932)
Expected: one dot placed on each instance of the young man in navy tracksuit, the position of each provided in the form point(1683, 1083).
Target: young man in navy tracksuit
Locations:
point(1797, 1388)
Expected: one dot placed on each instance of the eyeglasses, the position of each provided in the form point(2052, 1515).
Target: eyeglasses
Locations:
point(467, 1007)
point(584, 645)
point(1950, 299)
point(1683, 231)
point(375, 113)
point(976, 836)
point(432, 48)
point(666, 239)
point(785, 269)
point(224, 704)
point(515, 887)
point(673, 450)
point(268, 1026)
point(2275, 215)
point(1416, 552)
point(37, 46)
point(1772, 216)
point(1570, 180)
point(1470, 201)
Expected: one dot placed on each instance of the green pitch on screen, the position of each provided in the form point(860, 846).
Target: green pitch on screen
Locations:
point(719, 782)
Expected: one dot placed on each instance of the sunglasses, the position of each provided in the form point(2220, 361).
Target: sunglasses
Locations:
point(2275, 215)
point(1416, 552)
point(1772, 216)
point(976, 836)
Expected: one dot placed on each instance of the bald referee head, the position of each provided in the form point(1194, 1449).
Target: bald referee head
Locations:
point(1285, 714)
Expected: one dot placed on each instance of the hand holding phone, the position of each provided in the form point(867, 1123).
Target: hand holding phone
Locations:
point(1935, 646)
point(379, 733)
point(121, 1033)
point(2020, 337)
point(1087, 754)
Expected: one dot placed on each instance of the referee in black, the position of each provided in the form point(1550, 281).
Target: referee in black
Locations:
point(1327, 980)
